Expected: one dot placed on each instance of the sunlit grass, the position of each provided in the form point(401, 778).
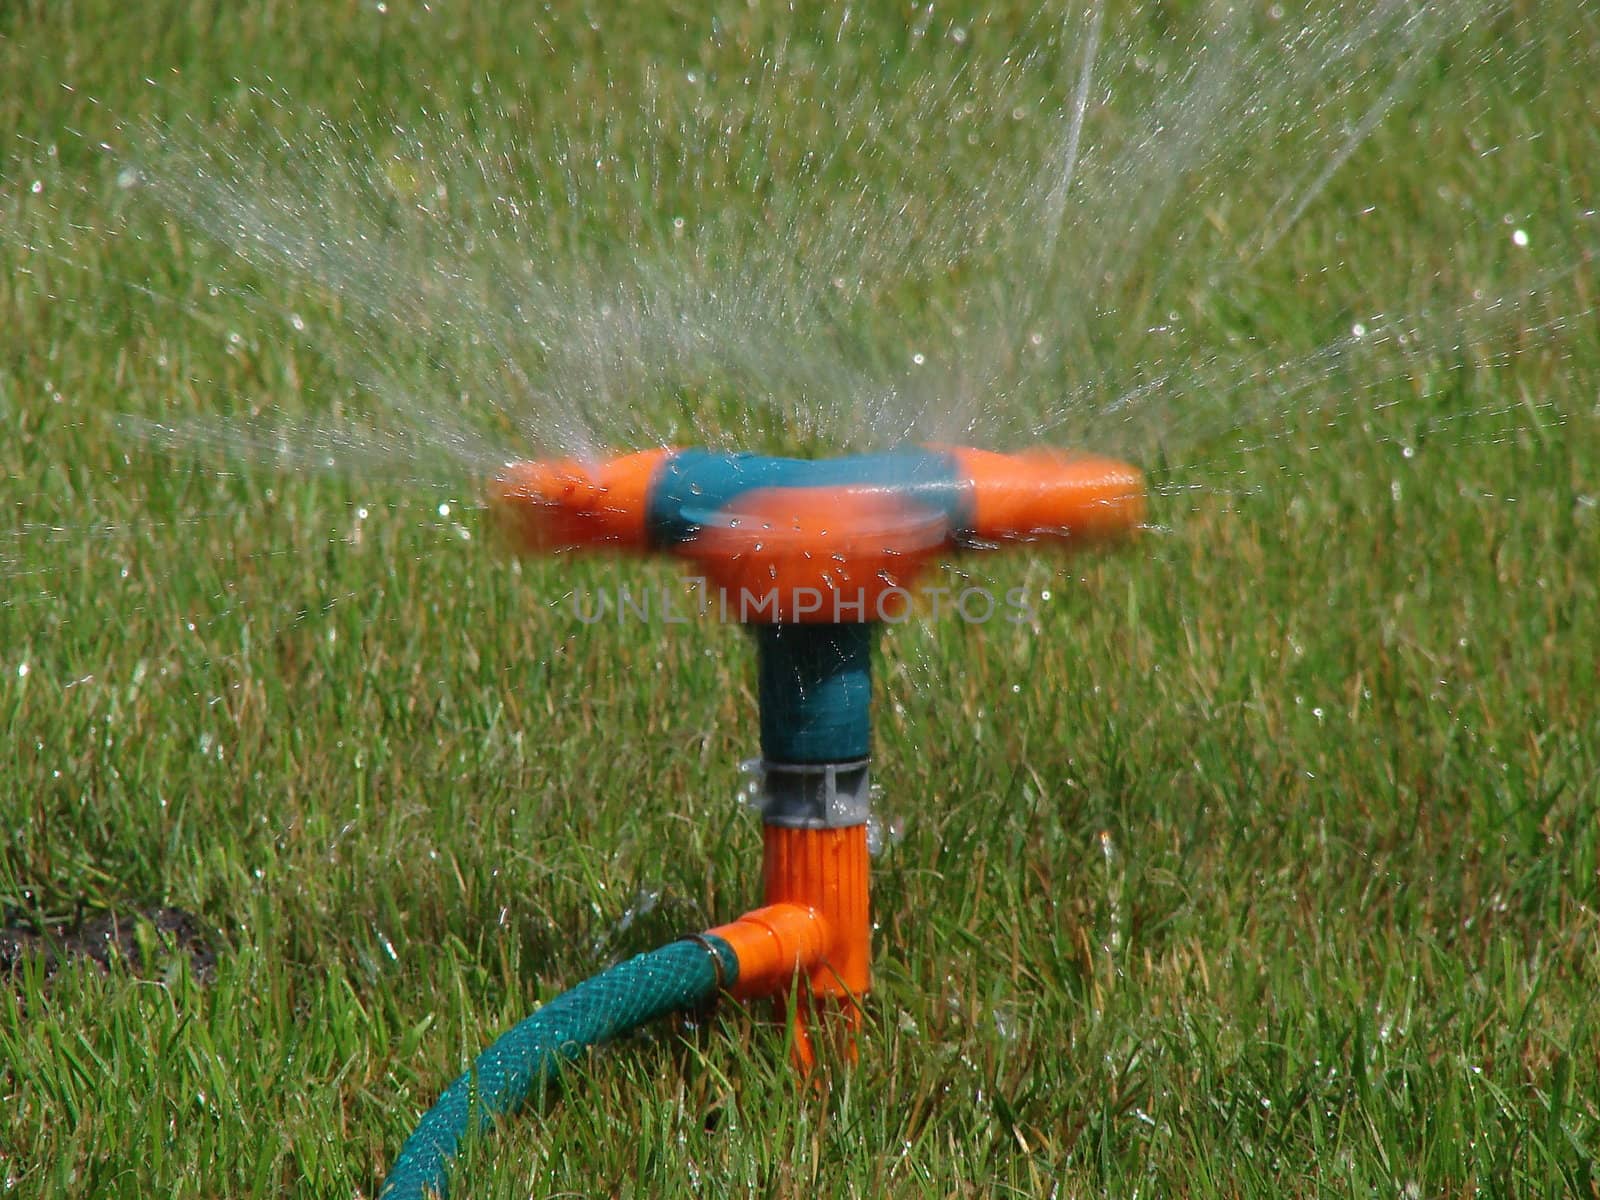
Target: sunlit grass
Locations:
point(1263, 863)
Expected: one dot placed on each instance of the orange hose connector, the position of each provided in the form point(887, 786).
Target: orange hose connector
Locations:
point(773, 945)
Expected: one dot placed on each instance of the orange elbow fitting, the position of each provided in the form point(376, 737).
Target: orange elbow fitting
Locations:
point(774, 945)
point(815, 923)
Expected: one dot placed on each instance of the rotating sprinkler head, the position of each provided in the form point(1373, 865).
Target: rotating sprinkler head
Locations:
point(839, 524)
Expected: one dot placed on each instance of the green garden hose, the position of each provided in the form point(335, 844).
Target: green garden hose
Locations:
point(678, 976)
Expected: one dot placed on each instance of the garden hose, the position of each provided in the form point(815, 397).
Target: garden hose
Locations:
point(763, 953)
point(527, 1056)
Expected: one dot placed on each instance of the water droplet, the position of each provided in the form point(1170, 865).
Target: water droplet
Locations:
point(1108, 847)
point(444, 510)
point(1519, 237)
point(1358, 330)
point(38, 186)
point(22, 670)
point(918, 358)
point(298, 322)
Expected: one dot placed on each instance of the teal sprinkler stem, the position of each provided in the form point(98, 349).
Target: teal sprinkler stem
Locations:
point(815, 555)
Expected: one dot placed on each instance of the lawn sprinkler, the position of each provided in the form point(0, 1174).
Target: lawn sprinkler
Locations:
point(815, 556)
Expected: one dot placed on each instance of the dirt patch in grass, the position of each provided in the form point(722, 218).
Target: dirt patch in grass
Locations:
point(142, 939)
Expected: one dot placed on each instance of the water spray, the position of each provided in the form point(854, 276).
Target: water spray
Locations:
point(814, 556)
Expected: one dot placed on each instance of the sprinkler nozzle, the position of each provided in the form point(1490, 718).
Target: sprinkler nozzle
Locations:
point(1050, 495)
point(555, 505)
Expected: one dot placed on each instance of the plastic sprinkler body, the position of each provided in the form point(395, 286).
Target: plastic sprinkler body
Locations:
point(814, 556)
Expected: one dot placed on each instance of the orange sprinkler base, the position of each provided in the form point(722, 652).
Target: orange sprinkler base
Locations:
point(826, 870)
point(814, 930)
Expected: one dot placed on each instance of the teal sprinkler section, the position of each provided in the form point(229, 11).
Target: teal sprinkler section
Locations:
point(829, 540)
point(697, 489)
point(815, 688)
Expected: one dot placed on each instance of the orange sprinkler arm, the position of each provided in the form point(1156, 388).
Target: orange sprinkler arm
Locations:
point(563, 504)
point(1049, 494)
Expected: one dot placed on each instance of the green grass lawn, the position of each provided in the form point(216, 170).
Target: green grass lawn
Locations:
point(1264, 862)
